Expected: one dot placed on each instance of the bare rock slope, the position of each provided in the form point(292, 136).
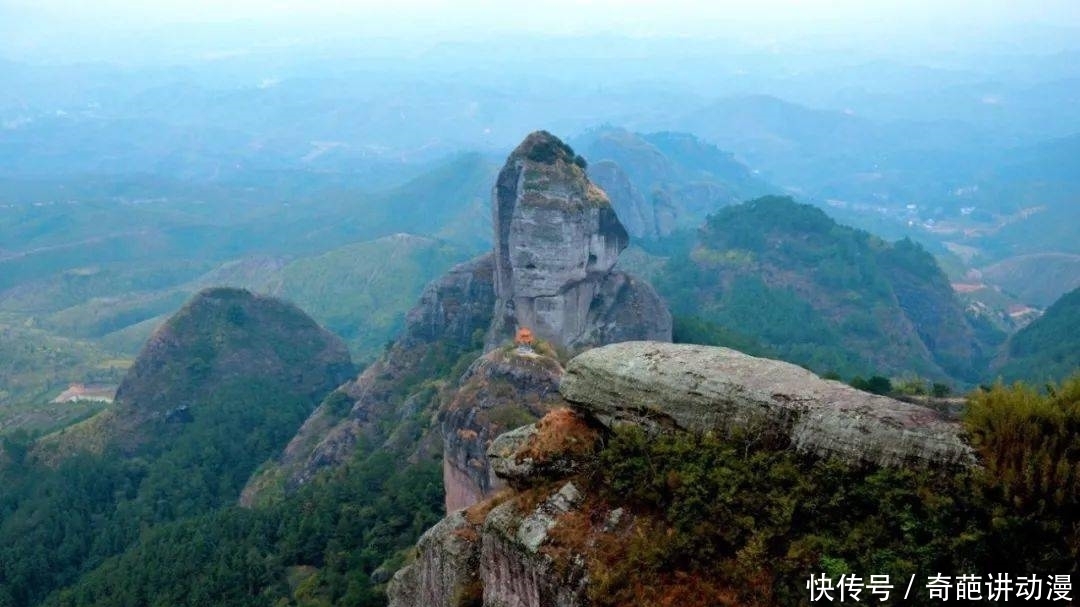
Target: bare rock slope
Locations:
point(502, 390)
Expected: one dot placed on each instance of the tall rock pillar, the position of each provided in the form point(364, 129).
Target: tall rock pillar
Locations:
point(557, 239)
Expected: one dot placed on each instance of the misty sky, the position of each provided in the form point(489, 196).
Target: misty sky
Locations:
point(66, 30)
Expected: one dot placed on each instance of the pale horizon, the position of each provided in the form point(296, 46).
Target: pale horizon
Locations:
point(172, 31)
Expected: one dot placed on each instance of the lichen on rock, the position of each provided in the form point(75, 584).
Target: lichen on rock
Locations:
point(712, 389)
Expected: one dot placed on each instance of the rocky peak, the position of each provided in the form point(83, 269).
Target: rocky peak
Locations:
point(529, 546)
point(557, 239)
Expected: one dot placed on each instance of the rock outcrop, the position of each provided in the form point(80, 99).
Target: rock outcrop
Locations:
point(710, 389)
point(502, 390)
point(542, 542)
point(557, 239)
point(493, 558)
point(514, 570)
point(457, 307)
point(447, 567)
point(550, 449)
point(498, 552)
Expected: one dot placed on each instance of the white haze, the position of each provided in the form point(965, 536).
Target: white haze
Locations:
point(177, 31)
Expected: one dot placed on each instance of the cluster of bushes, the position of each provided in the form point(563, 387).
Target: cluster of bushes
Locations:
point(550, 148)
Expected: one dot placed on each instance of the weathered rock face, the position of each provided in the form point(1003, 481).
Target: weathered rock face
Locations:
point(456, 307)
point(556, 241)
point(550, 449)
point(507, 551)
point(514, 571)
point(501, 390)
point(496, 561)
point(503, 454)
point(447, 565)
point(503, 552)
point(625, 308)
point(701, 388)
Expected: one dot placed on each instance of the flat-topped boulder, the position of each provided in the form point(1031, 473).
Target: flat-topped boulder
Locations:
point(711, 389)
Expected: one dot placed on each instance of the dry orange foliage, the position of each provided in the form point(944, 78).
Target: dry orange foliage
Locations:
point(476, 514)
point(569, 536)
point(562, 433)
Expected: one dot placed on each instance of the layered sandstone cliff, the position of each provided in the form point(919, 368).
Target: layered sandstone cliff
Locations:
point(501, 391)
point(498, 552)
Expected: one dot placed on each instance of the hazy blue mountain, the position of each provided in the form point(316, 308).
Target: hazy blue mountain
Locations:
point(663, 182)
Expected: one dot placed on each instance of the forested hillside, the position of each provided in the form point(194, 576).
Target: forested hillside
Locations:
point(787, 279)
point(1046, 350)
point(219, 389)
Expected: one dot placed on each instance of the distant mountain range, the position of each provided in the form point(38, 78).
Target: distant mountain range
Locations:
point(663, 182)
point(100, 263)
